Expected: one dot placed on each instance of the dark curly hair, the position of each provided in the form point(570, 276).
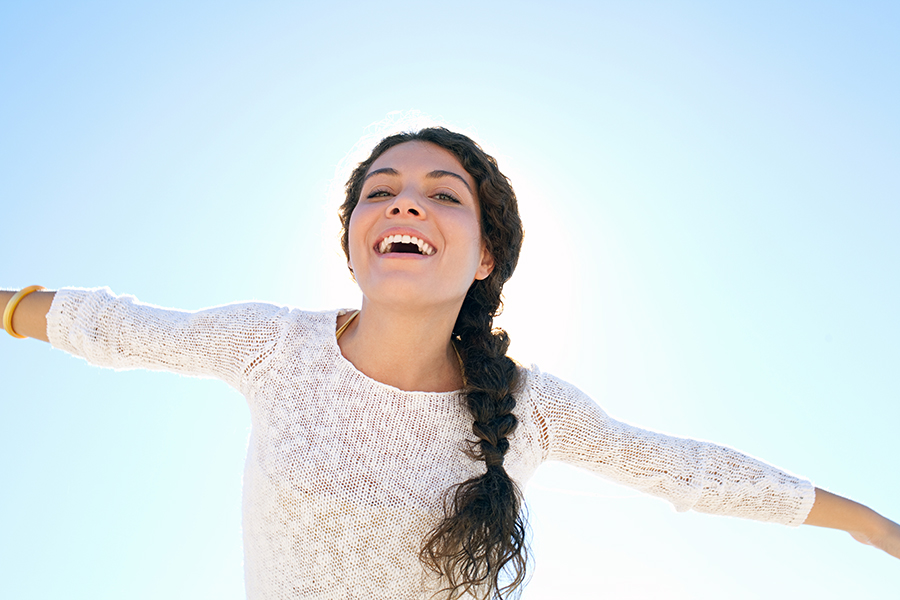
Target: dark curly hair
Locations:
point(482, 535)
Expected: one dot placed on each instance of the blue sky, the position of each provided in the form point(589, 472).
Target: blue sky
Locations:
point(711, 204)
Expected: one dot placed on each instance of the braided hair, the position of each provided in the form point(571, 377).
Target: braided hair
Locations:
point(482, 535)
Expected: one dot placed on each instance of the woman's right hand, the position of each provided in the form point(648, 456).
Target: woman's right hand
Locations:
point(30, 316)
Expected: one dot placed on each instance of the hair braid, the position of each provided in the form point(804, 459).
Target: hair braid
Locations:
point(482, 535)
point(483, 532)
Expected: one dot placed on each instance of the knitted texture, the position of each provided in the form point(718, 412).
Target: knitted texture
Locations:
point(345, 475)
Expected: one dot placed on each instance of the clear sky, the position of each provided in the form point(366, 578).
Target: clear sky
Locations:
point(712, 206)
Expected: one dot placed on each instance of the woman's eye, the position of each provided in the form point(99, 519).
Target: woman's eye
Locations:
point(446, 197)
point(378, 194)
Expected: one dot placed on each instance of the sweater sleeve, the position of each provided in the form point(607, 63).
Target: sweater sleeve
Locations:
point(224, 342)
point(691, 474)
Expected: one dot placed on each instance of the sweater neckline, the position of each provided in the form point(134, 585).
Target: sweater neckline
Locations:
point(349, 366)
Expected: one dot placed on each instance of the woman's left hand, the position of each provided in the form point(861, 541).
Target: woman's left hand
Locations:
point(886, 537)
point(864, 524)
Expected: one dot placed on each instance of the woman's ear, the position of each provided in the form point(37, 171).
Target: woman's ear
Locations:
point(487, 264)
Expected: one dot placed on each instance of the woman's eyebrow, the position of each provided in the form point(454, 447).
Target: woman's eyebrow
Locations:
point(439, 173)
point(385, 171)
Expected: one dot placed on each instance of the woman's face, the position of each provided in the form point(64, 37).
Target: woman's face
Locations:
point(415, 235)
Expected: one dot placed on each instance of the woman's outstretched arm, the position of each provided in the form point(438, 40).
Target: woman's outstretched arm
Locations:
point(30, 317)
point(863, 523)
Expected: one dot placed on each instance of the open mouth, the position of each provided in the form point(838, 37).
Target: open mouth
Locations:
point(404, 244)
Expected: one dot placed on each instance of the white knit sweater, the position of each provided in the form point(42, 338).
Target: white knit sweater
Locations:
point(345, 475)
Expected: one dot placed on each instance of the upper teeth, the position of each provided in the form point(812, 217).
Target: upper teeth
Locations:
point(424, 247)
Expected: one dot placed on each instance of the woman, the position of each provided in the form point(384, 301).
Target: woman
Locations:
point(390, 444)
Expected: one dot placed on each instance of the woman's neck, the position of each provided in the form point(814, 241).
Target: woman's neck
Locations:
point(407, 349)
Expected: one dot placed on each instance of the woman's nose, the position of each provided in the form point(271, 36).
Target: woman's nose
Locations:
point(405, 204)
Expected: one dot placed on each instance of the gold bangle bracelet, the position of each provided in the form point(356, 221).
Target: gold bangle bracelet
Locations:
point(11, 308)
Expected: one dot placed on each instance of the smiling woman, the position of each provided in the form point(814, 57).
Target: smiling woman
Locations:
point(472, 210)
point(390, 445)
